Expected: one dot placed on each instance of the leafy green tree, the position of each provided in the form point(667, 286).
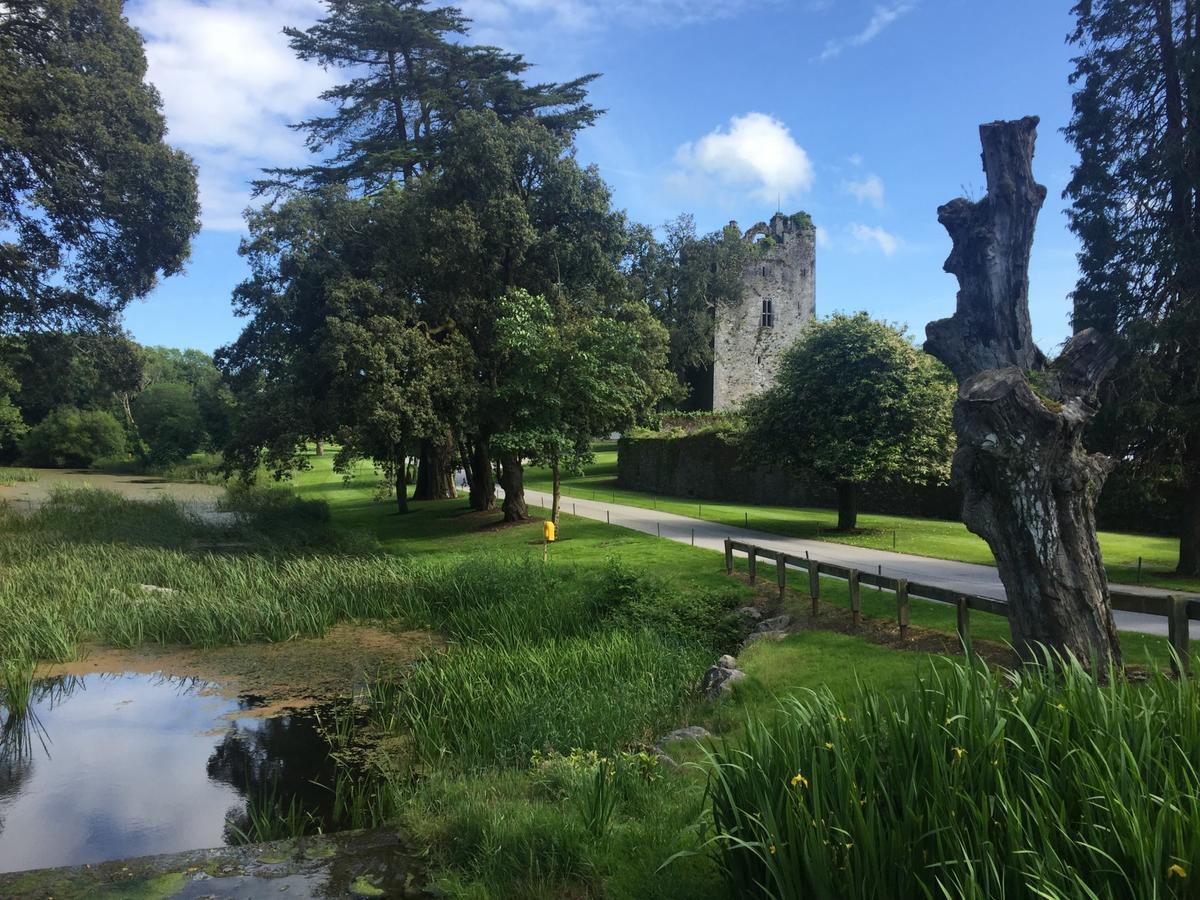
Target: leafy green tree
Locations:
point(683, 278)
point(411, 74)
point(569, 374)
point(393, 386)
point(12, 425)
point(508, 207)
point(84, 369)
point(333, 347)
point(1135, 197)
point(169, 421)
point(199, 372)
point(73, 437)
point(94, 204)
point(855, 401)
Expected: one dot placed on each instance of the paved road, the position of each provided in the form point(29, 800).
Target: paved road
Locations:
point(957, 576)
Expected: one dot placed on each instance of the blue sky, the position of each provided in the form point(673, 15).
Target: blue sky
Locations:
point(863, 112)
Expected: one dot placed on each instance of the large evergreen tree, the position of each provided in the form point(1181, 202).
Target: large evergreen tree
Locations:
point(410, 75)
point(1136, 209)
point(94, 205)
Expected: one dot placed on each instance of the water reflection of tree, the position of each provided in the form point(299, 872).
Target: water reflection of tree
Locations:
point(281, 760)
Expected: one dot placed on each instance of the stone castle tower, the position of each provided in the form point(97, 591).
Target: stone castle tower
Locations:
point(779, 297)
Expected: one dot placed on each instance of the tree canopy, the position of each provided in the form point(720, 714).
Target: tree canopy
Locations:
point(411, 74)
point(94, 204)
point(855, 401)
point(1135, 206)
point(683, 278)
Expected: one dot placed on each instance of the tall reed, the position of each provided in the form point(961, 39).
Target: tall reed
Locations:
point(1044, 784)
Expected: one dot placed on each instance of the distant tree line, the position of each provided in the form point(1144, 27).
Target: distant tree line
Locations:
point(78, 398)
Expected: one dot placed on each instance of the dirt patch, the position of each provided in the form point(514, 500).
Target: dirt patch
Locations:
point(290, 675)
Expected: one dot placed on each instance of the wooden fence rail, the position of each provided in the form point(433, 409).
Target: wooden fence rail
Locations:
point(1178, 610)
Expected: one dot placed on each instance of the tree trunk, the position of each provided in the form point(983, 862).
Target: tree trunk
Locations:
point(512, 479)
point(847, 505)
point(435, 471)
point(401, 481)
point(1189, 532)
point(483, 488)
point(1029, 488)
point(556, 502)
point(320, 448)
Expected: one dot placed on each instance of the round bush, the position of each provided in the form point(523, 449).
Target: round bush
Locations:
point(73, 437)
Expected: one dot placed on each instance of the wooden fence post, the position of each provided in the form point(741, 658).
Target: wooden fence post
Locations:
point(814, 582)
point(1177, 632)
point(728, 556)
point(781, 573)
point(752, 562)
point(902, 609)
point(855, 597)
point(964, 620)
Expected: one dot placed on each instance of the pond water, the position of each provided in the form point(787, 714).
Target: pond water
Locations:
point(107, 767)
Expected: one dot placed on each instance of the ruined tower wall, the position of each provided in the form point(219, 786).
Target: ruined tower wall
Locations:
point(779, 279)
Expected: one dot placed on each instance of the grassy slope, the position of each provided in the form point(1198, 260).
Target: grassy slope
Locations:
point(922, 537)
point(434, 528)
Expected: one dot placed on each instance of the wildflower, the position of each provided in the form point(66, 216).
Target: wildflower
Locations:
point(772, 849)
point(829, 745)
point(960, 752)
point(798, 780)
point(1177, 871)
point(842, 717)
point(1060, 706)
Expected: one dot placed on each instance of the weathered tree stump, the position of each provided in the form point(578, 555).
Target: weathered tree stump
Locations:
point(1029, 487)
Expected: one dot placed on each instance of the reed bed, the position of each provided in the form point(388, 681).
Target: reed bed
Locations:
point(1043, 783)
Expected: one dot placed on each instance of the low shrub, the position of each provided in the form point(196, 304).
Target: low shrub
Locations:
point(1041, 784)
point(633, 599)
point(72, 437)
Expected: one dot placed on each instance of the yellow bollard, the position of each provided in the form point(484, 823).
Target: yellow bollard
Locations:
point(548, 531)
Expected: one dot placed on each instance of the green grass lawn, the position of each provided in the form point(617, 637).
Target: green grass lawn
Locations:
point(922, 537)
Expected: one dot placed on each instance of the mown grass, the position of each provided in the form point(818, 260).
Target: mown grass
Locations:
point(921, 537)
point(1045, 784)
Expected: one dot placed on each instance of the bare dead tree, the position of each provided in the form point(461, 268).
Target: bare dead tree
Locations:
point(1029, 487)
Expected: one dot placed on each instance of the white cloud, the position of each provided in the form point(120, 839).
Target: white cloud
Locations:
point(855, 159)
point(867, 236)
point(230, 86)
point(868, 190)
point(881, 18)
point(756, 152)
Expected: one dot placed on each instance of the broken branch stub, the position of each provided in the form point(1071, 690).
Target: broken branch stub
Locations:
point(1029, 488)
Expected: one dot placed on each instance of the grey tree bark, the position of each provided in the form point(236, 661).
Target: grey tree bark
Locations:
point(512, 479)
point(1029, 488)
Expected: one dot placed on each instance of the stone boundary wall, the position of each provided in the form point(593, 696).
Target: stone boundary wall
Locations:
point(706, 467)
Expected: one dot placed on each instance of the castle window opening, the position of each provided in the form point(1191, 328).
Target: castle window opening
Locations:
point(768, 313)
